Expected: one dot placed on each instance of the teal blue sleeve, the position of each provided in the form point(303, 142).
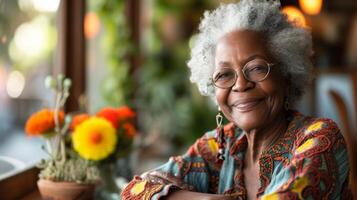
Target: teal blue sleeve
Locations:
point(194, 171)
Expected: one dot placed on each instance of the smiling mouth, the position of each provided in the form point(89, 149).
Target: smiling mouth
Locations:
point(246, 105)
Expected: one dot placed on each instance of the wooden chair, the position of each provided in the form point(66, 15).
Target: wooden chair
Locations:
point(350, 137)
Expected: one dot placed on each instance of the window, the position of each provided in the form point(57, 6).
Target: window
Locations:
point(28, 53)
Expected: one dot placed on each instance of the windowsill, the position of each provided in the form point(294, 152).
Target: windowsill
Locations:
point(21, 184)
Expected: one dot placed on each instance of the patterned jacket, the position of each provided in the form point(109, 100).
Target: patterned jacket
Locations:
point(309, 161)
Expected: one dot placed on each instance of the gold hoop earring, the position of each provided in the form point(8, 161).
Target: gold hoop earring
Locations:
point(220, 136)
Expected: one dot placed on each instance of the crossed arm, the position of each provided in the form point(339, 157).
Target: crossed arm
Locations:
point(318, 168)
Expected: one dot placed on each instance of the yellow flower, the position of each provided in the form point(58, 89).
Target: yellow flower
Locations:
point(94, 139)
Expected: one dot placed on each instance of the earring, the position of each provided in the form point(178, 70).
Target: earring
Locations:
point(220, 136)
point(286, 103)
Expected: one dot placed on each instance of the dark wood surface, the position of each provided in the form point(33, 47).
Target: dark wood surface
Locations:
point(72, 49)
point(21, 185)
point(35, 195)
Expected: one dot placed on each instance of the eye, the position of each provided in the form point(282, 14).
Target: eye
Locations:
point(224, 75)
point(257, 69)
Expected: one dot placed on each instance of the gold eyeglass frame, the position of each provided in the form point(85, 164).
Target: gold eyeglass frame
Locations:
point(245, 76)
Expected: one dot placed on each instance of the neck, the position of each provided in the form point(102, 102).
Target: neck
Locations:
point(260, 139)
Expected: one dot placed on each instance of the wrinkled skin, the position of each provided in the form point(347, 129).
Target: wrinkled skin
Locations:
point(257, 108)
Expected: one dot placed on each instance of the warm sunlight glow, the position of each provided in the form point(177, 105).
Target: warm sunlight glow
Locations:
point(46, 5)
point(311, 7)
point(32, 41)
point(29, 39)
point(295, 15)
point(91, 25)
point(39, 5)
point(15, 84)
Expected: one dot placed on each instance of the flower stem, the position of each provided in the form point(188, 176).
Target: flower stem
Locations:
point(63, 151)
point(49, 148)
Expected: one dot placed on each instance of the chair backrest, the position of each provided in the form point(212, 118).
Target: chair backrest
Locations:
point(350, 137)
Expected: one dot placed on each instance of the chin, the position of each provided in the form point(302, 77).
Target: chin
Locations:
point(247, 126)
point(249, 120)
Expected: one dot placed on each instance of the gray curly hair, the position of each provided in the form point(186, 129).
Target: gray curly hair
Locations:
point(290, 45)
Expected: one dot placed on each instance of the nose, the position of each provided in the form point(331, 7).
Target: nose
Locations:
point(242, 84)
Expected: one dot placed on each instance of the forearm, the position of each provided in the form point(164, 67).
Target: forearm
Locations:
point(184, 194)
point(190, 172)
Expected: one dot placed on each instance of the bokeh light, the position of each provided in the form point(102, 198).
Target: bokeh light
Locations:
point(29, 39)
point(39, 5)
point(311, 7)
point(3, 39)
point(15, 84)
point(32, 41)
point(2, 80)
point(295, 15)
point(46, 5)
point(91, 25)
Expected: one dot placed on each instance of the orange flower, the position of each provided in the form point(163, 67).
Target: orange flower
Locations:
point(42, 122)
point(125, 112)
point(129, 129)
point(78, 119)
point(110, 114)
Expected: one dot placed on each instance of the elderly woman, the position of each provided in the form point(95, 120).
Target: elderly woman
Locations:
point(257, 65)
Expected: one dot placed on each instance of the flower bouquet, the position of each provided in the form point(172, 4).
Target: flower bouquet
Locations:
point(78, 146)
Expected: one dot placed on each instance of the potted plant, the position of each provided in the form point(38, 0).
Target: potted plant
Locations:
point(78, 146)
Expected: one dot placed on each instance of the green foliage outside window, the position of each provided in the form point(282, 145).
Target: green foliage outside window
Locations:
point(117, 87)
point(166, 101)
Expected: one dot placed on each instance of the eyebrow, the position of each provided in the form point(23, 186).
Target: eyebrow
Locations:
point(250, 58)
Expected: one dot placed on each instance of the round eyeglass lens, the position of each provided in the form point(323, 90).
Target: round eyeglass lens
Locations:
point(224, 77)
point(256, 70)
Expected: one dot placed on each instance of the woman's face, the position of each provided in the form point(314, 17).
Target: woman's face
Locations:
point(250, 105)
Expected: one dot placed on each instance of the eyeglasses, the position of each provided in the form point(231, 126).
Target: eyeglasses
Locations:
point(255, 71)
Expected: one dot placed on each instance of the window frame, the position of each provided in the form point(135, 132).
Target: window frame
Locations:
point(22, 184)
point(71, 61)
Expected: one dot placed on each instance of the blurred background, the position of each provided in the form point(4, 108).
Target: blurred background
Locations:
point(134, 52)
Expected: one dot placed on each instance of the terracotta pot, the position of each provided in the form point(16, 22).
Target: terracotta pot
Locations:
point(65, 190)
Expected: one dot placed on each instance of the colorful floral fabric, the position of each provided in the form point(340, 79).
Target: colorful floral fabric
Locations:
point(308, 162)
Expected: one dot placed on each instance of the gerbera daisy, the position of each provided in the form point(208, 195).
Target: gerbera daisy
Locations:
point(42, 122)
point(125, 112)
point(78, 119)
point(94, 139)
point(110, 114)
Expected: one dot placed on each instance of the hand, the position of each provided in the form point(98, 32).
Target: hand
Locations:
point(184, 194)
